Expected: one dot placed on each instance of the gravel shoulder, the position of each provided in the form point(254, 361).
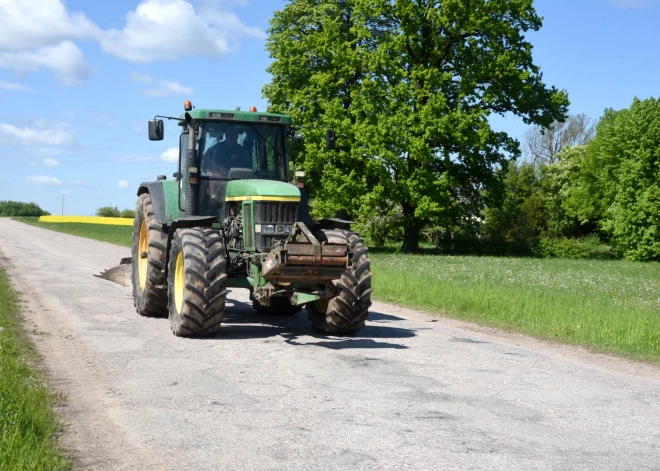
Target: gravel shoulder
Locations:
point(411, 391)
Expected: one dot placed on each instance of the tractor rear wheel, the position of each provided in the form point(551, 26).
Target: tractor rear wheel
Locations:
point(148, 252)
point(347, 311)
point(196, 281)
point(278, 307)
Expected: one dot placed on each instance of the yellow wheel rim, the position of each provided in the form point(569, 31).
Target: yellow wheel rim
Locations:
point(321, 305)
point(179, 283)
point(143, 247)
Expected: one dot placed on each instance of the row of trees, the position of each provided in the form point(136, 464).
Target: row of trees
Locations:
point(19, 209)
point(597, 199)
point(409, 87)
point(113, 212)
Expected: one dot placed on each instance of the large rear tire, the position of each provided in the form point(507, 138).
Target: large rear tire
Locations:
point(196, 280)
point(349, 309)
point(148, 251)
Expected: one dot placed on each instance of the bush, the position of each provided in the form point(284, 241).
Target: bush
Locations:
point(18, 209)
point(108, 212)
point(589, 247)
point(128, 213)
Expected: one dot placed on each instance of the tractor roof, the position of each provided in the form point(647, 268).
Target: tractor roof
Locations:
point(239, 116)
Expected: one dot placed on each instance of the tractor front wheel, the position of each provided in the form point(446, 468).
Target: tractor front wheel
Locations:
point(196, 281)
point(148, 253)
point(347, 311)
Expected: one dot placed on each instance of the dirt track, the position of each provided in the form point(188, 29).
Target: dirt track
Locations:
point(410, 392)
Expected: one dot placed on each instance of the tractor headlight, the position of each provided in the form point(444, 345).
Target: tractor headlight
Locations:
point(277, 229)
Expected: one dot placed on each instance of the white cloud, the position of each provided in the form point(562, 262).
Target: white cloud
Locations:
point(137, 129)
point(42, 180)
point(16, 87)
point(122, 184)
point(65, 60)
point(160, 87)
point(166, 88)
point(50, 163)
point(32, 163)
point(171, 155)
point(76, 183)
point(148, 33)
point(56, 136)
point(32, 24)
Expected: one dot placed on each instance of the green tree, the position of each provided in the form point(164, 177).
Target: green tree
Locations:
point(127, 213)
point(108, 212)
point(516, 226)
point(20, 209)
point(408, 86)
point(625, 160)
point(560, 187)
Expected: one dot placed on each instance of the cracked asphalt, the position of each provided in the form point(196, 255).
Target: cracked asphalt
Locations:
point(410, 392)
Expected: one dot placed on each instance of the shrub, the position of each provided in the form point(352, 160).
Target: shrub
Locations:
point(19, 209)
point(127, 213)
point(108, 212)
point(589, 247)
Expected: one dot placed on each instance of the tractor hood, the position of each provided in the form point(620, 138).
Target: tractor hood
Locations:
point(261, 190)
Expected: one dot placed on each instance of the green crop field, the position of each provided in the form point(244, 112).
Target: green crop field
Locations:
point(608, 306)
point(120, 235)
point(27, 422)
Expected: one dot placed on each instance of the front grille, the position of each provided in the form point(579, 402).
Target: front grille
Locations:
point(273, 212)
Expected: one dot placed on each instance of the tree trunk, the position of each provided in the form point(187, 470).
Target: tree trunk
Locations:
point(410, 229)
point(410, 240)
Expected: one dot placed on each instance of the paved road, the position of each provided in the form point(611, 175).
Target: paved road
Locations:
point(410, 392)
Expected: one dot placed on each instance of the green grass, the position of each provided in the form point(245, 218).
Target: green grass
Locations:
point(608, 306)
point(120, 235)
point(28, 424)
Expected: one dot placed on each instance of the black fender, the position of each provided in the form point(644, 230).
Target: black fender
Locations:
point(157, 193)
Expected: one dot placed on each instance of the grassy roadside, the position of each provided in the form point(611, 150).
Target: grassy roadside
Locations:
point(28, 424)
point(608, 306)
point(120, 235)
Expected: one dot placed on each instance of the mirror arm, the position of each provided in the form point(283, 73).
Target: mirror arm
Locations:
point(168, 117)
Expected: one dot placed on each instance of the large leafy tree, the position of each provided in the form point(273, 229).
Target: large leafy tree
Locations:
point(409, 86)
point(619, 183)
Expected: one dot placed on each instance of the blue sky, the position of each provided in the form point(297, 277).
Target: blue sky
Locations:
point(79, 80)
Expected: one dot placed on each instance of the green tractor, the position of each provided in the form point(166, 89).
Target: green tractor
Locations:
point(231, 218)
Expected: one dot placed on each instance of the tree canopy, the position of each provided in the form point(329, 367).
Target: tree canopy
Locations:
point(408, 86)
point(20, 209)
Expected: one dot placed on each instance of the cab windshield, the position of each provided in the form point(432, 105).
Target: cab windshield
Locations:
point(235, 151)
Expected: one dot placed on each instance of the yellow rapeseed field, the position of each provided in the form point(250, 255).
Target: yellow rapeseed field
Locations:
point(88, 220)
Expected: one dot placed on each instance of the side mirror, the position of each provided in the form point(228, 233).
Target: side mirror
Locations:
point(156, 130)
point(330, 139)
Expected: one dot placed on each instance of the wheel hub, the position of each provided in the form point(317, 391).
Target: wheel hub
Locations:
point(179, 283)
point(143, 248)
